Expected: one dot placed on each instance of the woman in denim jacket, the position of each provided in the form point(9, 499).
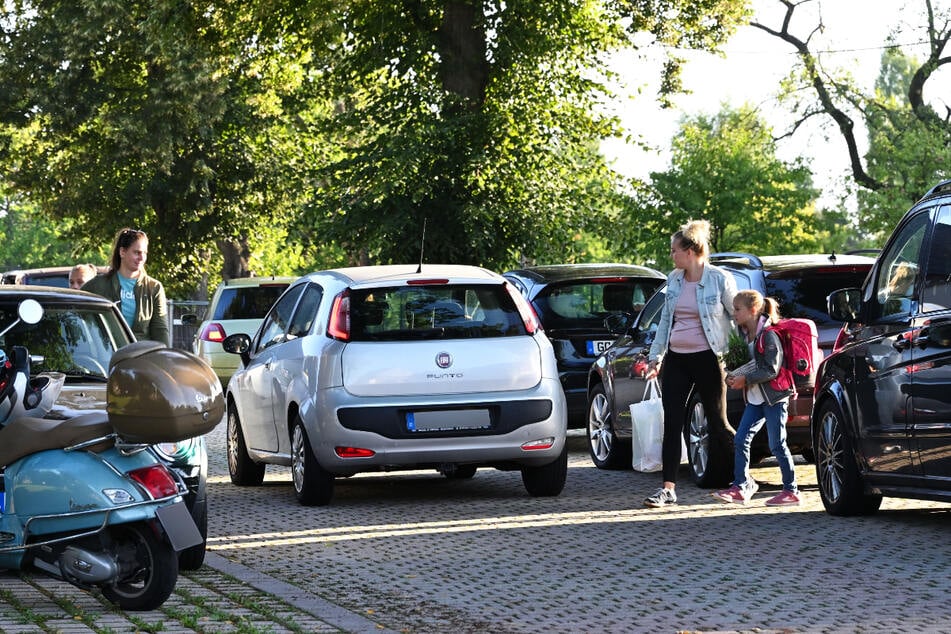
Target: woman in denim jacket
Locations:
point(692, 335)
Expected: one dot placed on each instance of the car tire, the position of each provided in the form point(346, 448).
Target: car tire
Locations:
point(192, 558)
point(709, 456)
point(547, 480)
point(606, 450)
point(243, 470)
point(837, 471)
point(313, 485)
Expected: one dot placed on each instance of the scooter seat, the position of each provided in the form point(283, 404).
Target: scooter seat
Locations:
point(26, 435)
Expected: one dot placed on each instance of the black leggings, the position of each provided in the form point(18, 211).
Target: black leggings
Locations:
point(679, 374)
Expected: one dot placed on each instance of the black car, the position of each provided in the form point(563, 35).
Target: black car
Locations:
point(882, 419)
point(78, 334)
point(572, 302)
point(800, 283)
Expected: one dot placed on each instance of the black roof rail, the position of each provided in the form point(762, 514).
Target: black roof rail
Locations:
point(940, 188)
point(754, 261)
point(873, 252)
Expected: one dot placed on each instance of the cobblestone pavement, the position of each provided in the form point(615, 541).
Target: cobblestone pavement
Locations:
point(415, 552)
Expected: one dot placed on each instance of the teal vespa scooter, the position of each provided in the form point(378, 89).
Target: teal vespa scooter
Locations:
point(83, 502)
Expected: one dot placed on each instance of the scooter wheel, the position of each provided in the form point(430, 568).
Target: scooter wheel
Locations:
point(148, 568)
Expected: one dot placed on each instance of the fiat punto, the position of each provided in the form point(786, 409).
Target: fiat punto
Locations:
point(384, 368)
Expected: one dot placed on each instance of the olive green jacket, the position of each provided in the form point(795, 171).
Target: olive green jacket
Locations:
point(151, 312)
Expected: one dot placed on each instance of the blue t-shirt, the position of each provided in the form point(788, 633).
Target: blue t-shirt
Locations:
point(127, 298)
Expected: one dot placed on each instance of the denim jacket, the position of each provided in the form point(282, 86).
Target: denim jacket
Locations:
point(715, 292)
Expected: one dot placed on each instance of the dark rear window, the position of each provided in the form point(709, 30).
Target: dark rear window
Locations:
point(404, 313)
point(805, 294)
point(586, 304)
point(247, 302)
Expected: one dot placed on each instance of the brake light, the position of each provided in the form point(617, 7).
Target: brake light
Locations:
point(541, 443)
point(354, 452)
point(427, 282)
point(339, 326)
point(608, 280)
point(213, 332)
point(525, 310)
point(156, 480)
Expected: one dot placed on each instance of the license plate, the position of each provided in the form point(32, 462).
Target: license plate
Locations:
point(597, 347)
point(448, 420)
point(179, 526)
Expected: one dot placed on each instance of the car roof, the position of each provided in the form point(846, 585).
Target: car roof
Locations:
point(405, 272)
point(47, 271)
point(49, 295)
point(548, 273)
point(780, 263)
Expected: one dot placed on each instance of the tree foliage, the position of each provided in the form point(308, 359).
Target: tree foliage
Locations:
point(724, 169)
point(908, 139)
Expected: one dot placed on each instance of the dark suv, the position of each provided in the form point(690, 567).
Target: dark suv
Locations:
point(572, 302)
point(882, 419)
point(800, 283)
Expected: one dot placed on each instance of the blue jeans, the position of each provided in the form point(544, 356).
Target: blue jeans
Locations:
point(753, 418)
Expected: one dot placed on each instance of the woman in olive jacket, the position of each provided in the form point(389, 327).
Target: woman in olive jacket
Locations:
point(140, 298)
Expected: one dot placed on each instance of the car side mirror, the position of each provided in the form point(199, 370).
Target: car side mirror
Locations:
point(238, 343)
point(844, 304)
point(190, 319)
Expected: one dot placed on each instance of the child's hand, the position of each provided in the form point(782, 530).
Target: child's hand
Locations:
point(737, 382)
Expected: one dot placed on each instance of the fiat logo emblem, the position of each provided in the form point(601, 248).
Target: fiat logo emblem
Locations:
point(443, 360)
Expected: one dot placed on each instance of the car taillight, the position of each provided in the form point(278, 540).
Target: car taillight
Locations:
point(354, 452)
point(156, 480)
point(213, 332)
point(339, 326)
point(525, 310)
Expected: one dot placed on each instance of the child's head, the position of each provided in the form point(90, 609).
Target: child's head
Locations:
point(754, 302)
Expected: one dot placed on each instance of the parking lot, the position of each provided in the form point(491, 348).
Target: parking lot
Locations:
point(419, 553)
point(415, 552)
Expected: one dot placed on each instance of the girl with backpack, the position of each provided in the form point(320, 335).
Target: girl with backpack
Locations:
point(766, 388)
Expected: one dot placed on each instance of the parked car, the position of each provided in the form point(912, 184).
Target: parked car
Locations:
point(78, 334)
point(882, 419)
point(56, 276)
point(237, 305)
point(800, 283)
point(572, 301)
point(382, 368)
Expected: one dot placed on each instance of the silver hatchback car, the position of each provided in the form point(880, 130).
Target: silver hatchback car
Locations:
point(384, 368)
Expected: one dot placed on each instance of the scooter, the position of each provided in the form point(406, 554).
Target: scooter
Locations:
point(80, 502)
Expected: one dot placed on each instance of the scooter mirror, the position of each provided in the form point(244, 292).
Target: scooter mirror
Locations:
point(30, 311)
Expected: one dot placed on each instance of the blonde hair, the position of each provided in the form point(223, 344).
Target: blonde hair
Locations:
point(754, 301)
point(694, 236)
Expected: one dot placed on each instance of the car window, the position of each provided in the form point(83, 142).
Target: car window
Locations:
point(650, 317)
point(306, 312)
point(898, 270)
point(274, 327)
point(936, 294)
point(403, 313)
point(586, 304)
point(804, 293)
point(246, 302)
point(76, 340)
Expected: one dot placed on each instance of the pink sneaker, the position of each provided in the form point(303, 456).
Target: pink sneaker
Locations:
point(733, 495)
point(785, 498)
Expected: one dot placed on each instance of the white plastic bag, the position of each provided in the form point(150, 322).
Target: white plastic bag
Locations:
point(647, 430)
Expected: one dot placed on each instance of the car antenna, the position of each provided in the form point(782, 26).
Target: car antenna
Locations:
point(422, 243)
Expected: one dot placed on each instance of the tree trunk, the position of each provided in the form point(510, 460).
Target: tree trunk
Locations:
point(236, 254)
point(462, 48)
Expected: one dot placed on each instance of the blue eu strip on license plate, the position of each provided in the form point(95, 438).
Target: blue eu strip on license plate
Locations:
point(597, 347)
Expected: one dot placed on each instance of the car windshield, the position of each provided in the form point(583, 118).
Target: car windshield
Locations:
point(76, 340)
point(247, 302)
point(806, 296)
point(403, 313)
point(586, 304)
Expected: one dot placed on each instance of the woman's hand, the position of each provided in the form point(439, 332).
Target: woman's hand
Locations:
point(653, 368)
point(737, 382)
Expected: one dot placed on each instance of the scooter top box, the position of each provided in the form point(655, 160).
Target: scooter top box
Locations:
point(160, 394)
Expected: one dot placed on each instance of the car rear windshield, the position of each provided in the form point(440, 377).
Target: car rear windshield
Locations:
point(458, 311)
point(247, 302)
point(805, 295)
point(76, 340)
point(586, 304)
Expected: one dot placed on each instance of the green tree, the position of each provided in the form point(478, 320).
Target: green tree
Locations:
point(31, 241)
point(724, 169)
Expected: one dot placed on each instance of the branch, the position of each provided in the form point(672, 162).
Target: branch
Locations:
point(842, 120)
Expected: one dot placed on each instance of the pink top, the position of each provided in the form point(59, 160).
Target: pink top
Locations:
point(686, 335)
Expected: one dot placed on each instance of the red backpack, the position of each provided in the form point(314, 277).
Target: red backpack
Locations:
point(801, 356)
